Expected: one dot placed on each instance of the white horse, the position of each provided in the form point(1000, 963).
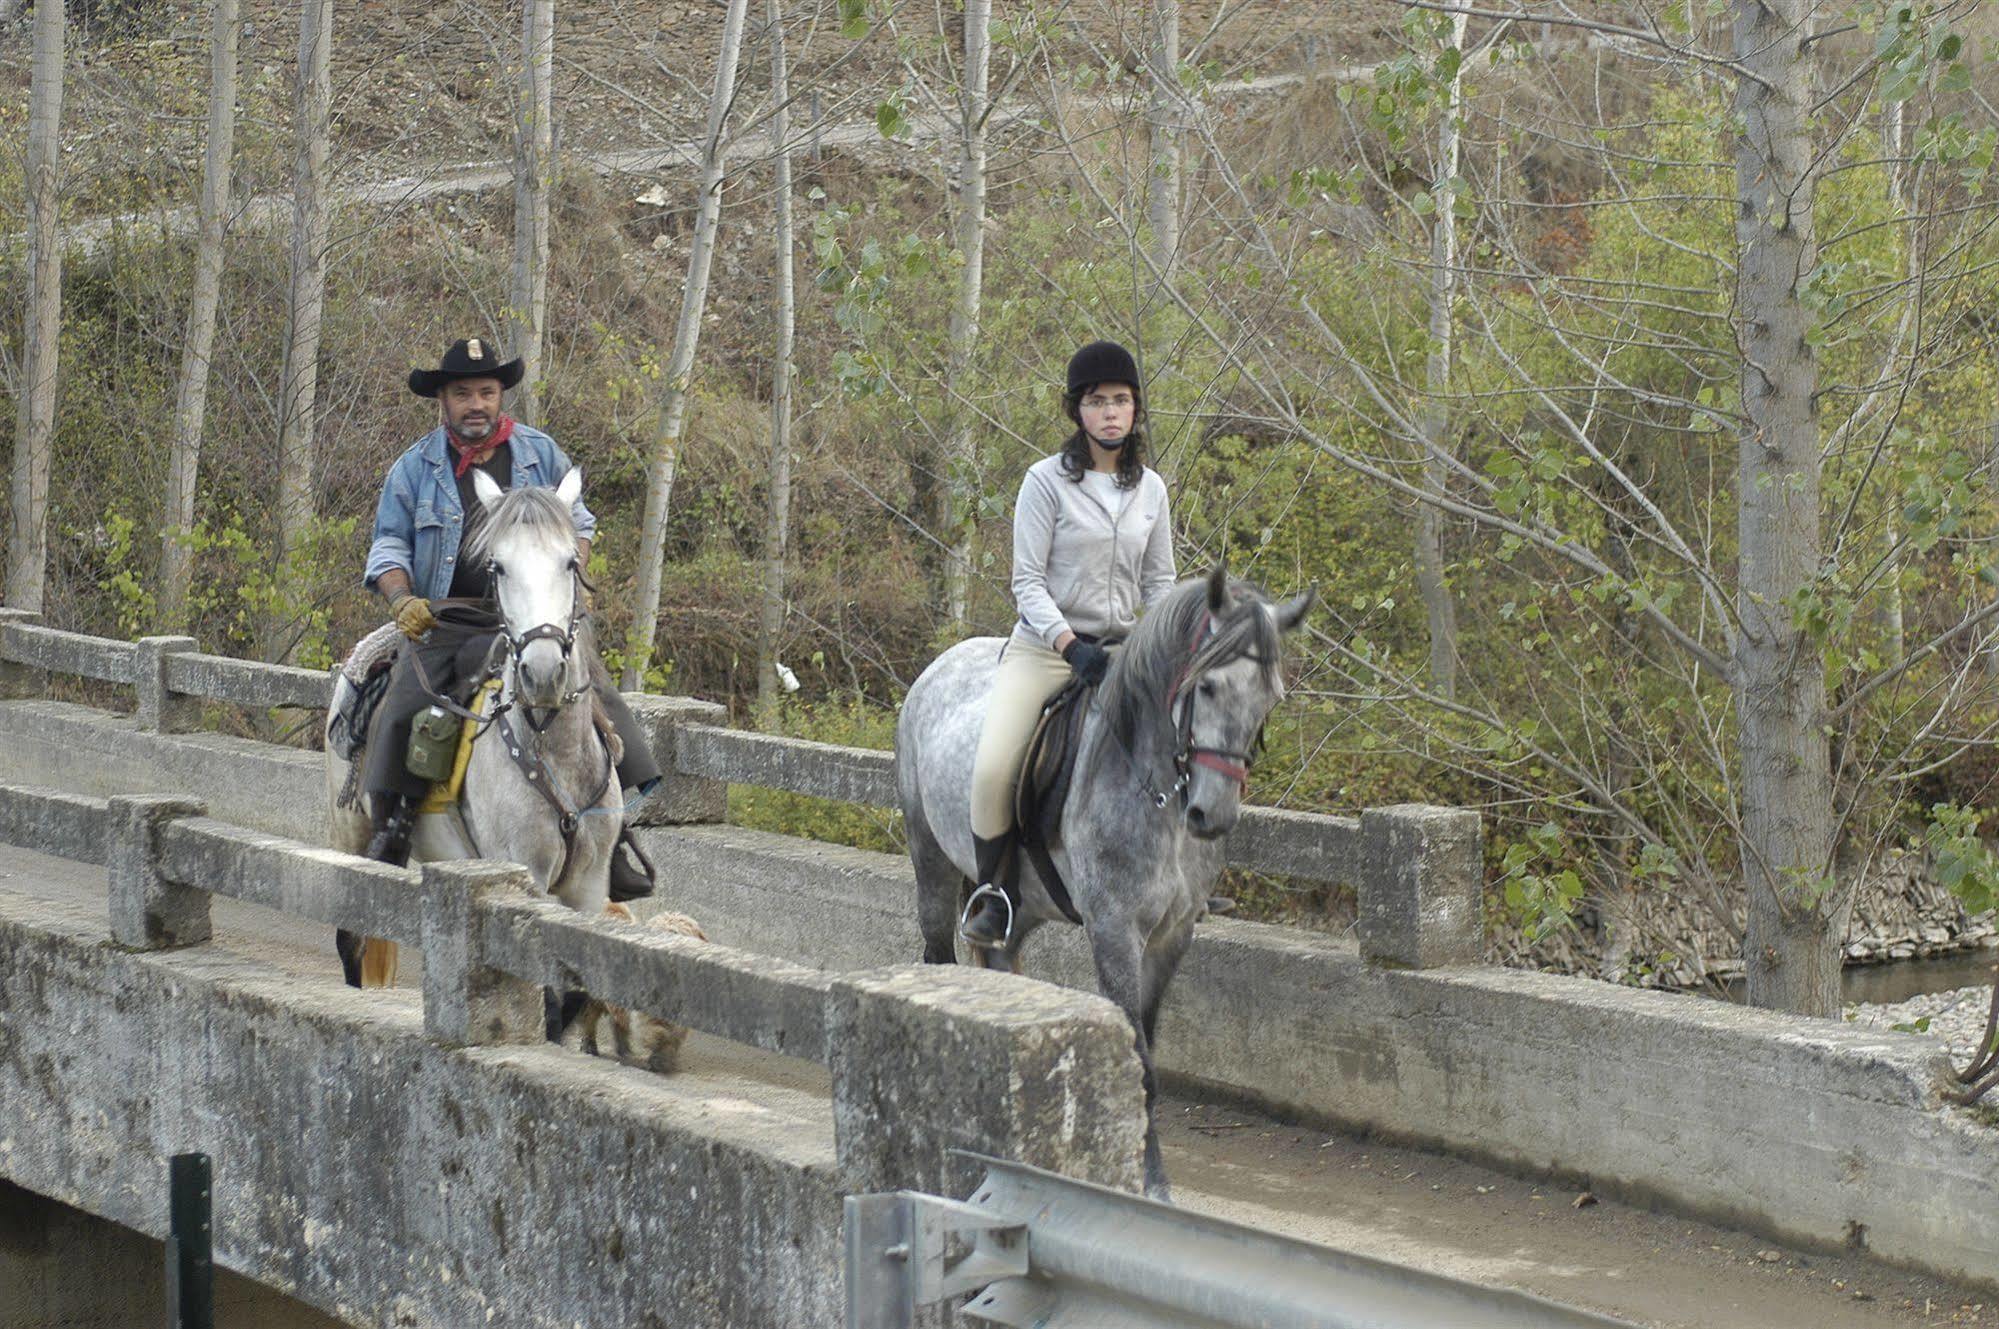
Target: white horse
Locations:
point(541, 786)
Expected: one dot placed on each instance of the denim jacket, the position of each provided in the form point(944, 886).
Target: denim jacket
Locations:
point(419, 520)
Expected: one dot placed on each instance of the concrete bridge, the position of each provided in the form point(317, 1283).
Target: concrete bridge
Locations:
point(416, 1157)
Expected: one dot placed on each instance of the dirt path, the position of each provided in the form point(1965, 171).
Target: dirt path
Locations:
point(1457, 1218)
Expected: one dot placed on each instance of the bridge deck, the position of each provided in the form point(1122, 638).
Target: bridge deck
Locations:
point(1424, 1209)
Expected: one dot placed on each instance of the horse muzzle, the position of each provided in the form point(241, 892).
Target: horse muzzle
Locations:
point(1210, 820)
point(543, 673)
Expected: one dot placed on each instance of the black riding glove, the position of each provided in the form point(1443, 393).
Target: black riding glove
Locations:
point(1088, 660)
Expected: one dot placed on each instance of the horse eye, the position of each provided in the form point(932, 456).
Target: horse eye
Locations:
point(1207, 687)
point(496, 569)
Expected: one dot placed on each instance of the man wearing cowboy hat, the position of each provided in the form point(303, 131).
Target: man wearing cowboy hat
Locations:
point(427, 512)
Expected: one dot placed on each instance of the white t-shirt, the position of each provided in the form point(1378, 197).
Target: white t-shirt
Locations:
point(1105, 487)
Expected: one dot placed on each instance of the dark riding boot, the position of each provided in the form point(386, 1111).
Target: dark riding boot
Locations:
point(395, 820)
point(989, 914)
point(632, 874)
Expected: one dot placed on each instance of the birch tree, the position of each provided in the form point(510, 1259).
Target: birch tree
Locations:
point(1162, 116)
point(1797, 919)
point(304, 308)
point(1431, 579)
point(665, 456)
point(34, 433)
point(770, 621)
point(191, 393)
point(534, 143)
point(956, 510)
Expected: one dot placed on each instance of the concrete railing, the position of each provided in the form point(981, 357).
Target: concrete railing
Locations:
point(923, 1061)
point(1416, 870)
point(1663, 1098)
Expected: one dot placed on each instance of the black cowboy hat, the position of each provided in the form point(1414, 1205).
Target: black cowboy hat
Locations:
point(469, 357)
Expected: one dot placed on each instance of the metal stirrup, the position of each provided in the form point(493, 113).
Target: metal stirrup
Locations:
point(965, 917)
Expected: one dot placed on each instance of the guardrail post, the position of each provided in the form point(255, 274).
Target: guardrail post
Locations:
point(18, 680)
point(933, 1058)
point(1421, 886)
point(467, 1002)
point(161, 711)
point(148, 912)
point(679, 799)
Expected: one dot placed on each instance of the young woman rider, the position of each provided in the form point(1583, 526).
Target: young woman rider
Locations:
point(1092, 545)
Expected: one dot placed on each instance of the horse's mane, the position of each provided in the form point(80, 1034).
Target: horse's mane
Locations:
point(1157, 654)
point(531, 510)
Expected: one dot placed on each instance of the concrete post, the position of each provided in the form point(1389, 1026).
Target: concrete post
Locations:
point(679, 799)
point(148, 912)
point(930, 1058)
point(18, 681)
point(1421, 886)
point(161, 711)
point(466, 1002)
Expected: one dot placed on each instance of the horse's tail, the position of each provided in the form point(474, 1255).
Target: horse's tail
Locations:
point(379, 958)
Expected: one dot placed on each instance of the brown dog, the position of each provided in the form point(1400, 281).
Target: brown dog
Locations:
point(604, 1030)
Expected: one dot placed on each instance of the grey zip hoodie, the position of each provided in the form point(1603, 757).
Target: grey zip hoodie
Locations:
point(1077, 565)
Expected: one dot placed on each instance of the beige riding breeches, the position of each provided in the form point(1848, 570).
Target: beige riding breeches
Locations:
point(1029, 674)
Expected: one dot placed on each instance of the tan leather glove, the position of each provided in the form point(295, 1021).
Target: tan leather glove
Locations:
point(413, 615)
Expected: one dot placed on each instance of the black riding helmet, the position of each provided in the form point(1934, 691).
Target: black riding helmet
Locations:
point(1100, 362)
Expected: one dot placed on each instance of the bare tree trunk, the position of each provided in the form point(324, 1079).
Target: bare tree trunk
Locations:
point(191, 397)
point(1162, 122)
point(1438, 605)
point(686, 338)
point(1891, 524)
point(297, 425)
point(960, 505)
point(777, 531)
point(534, 146)
point(34, 433)
point(1797, 914)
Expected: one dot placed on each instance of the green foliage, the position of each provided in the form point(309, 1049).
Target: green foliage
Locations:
point(1966, 864)
point(1539, 902)
point(852, 723)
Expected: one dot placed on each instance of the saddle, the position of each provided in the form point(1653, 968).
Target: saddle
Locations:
point(1046, 774)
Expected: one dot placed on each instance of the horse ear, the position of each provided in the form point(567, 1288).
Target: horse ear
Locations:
point(571, 485)
point(1218, 588)
point(486, 488)
point(1292, 612)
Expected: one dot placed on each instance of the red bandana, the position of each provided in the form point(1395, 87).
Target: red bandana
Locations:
point(473, 455)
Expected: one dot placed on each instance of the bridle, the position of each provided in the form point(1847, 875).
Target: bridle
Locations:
point(564, 635)
point(1188, 754)
point(525, 752)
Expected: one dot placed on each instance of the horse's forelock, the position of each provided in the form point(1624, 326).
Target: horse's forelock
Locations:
point(531, 512)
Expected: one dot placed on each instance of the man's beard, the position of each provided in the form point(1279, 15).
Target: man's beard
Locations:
point(483, 432)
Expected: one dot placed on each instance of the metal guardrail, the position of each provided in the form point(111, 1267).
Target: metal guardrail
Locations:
point(1036, 1249)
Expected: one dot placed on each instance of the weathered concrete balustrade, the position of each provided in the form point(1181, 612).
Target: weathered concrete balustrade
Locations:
point(367, 1146)
point(1808, 1130)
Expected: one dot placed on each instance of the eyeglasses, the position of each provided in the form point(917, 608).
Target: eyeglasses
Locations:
point(1098, 403)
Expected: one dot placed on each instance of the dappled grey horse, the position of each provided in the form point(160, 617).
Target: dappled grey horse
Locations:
point(1160, 771)
point(540, 786)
